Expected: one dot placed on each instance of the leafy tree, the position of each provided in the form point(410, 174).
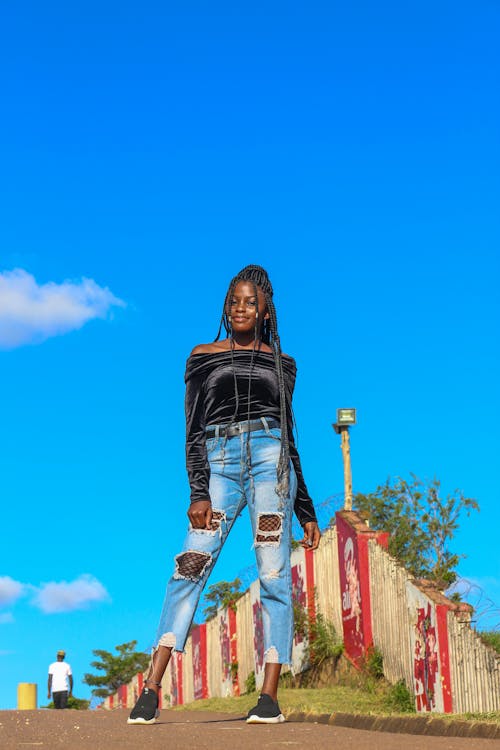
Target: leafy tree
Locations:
point(222, 594)
point(421, 523)
point(115, 670)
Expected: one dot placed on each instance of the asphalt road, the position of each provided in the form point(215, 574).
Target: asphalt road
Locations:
point(107, 730)
point(100, 730)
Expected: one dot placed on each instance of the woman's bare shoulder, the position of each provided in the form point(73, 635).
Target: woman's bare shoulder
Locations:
point(212, 348)
point(216, 347)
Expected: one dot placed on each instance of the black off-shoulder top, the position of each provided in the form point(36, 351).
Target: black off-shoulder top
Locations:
point(211, 400)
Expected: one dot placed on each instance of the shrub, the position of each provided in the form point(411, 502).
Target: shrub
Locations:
point(250, 686)
point(374, 663)
point(300, 620)
point(491, 638)
point(324, 640)
point(80, 704)
point(399, 699)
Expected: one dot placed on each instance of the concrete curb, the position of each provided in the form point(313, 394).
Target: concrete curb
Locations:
point(404, 724)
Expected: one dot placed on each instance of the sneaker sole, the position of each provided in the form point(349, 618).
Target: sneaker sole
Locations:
point(140, 720)
point(254, 719)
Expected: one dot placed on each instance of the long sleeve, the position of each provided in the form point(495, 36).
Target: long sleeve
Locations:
point(303, 507)
point(197, 465)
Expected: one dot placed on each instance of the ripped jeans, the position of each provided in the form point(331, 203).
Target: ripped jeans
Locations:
point(234, 483)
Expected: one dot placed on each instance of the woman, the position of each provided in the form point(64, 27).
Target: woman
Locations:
point(239, 451)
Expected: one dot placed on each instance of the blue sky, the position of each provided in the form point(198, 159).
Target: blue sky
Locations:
point(149, 150)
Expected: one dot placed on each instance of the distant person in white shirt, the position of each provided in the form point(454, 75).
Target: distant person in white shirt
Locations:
point(60, 681)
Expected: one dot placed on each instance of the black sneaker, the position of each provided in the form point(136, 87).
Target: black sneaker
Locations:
point(145, 710)
point(266, 711)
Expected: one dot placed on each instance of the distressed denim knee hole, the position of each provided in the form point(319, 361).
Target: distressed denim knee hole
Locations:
point(218, 516)
point(269, 528)
point(191, 564)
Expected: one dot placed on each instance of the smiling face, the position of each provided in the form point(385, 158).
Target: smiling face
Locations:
point(243, 307)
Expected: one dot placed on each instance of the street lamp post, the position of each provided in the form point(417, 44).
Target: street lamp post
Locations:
point(346, 418)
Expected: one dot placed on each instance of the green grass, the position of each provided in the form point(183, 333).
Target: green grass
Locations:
point(375, 701)
point(321, 700)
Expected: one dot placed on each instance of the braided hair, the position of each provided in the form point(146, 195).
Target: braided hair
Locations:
point(267, 332)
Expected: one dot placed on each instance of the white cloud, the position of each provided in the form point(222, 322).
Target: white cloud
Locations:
point(6, 618)
point(65, 597)
point(32, 312)
point(10, 591)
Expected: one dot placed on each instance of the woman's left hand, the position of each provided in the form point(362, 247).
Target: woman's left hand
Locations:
point(312, 535)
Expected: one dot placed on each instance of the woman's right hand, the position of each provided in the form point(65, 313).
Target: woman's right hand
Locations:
point(200, 514)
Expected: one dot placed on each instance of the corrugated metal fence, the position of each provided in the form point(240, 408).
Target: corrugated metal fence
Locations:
point(406, 629)
point(475, 670)
point(391, 615)
point(425, 639)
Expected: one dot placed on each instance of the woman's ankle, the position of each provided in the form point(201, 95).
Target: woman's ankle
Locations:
point(151, 684)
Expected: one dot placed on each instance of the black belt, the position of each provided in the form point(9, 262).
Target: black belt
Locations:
point(238, 427)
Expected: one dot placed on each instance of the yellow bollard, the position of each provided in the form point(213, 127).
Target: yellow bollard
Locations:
point(26, 696)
